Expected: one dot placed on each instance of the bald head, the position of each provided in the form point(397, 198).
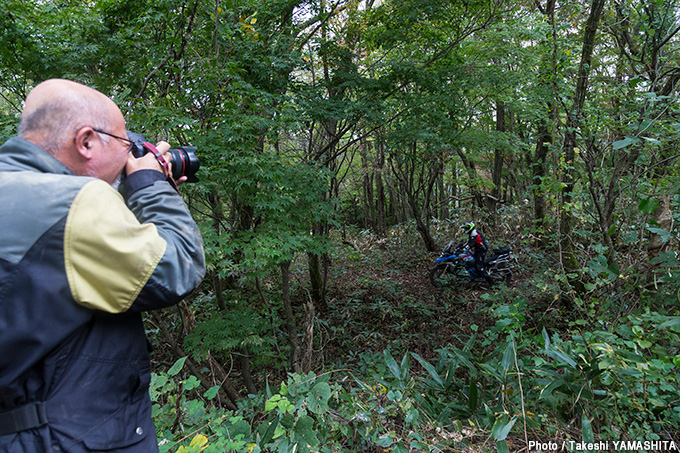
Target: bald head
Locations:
point(57, 108)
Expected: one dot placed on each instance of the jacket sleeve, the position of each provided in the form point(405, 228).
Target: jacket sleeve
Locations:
point(137, 254)
point(182, 266)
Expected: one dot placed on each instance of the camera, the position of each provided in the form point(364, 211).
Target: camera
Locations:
point(184, 159)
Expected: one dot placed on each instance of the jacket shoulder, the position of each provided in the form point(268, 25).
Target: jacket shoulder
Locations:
point(33, 203)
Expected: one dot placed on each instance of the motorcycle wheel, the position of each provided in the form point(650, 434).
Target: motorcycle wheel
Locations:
point(442, 276)
point(502, 276)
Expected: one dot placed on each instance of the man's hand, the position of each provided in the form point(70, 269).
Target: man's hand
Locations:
point(149, 162)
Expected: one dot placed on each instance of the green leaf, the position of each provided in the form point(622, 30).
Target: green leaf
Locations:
point(501, 428)
point(399, 448)
point(614, 269)
point(319, 395)
point(625, 142)
point(191, 383)
point(489, 413)
point(473, 396)
point(652, 140)
point(304, 431)
point(384, 441)
point(430, 369)
point(405, 366)
point(412, 416)
point(555, 354)
point(672, 322)
point(212, 392)
point(270, 431)
point(464, 361)
point(177, 366)
point(502, 447)
point(587, 430)
point(272, 403)
point(392, 364)
point(648, 205)
point(663, 234)
point(547, 391)
point(508, 357)
point(612, 230)
point(546, 338)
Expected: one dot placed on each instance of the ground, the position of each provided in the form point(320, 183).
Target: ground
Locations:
point(386, 299)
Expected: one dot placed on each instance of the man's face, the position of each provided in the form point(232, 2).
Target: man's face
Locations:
point(112, 154)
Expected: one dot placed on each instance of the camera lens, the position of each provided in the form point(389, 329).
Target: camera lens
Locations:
point(185, 163)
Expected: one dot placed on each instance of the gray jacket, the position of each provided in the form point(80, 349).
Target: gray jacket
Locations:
point(78, 265)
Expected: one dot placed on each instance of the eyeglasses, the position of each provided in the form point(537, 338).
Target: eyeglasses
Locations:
point(129, 142)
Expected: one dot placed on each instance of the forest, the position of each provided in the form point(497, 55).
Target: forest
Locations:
point(342, 145)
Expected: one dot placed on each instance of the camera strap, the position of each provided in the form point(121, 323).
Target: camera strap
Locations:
point(161, 160)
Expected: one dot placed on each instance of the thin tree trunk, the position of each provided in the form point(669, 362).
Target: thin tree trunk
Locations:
point(218, 216)
point(380, 208)
point(539, 163)
point(244, 362)
point(308, 339)
point(442, 198)
point(497, 174)
point(289, 317)
point(367, 185)
point(539, 166)
point(472, 173)
point(229, 398)
point(316, 279)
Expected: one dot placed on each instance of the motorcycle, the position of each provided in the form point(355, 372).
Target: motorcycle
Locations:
point(456, 264)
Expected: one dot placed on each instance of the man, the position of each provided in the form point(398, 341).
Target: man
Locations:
point(78, 265)
point(477, 244)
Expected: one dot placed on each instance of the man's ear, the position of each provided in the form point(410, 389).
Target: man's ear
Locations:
point(85, 141)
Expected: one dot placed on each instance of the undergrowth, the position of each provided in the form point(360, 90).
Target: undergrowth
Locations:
point(408, 369)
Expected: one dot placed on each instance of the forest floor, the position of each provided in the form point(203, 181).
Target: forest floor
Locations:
point(381, 297)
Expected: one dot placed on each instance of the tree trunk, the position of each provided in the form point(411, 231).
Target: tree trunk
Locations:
point(308, 339)
point(569, 261)
point(288, 316)
point(539, 167)
point(472, 173)
point(317, 281)
point(498, 156)
point(422, 217)
point(367, 184)
point(424, 231)
point(380, 208)
point(393, 211)
point(442, 199)
point(539, 163)
point(217, 217)
point(244, 365)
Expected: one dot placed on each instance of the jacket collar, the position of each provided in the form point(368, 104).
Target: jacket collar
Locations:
point(18, 154)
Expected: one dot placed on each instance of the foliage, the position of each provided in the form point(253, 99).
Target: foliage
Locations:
point(464, 397)
point(388, 115)
point(227, 332)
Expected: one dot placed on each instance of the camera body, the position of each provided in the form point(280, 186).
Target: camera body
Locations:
point(184, 159)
